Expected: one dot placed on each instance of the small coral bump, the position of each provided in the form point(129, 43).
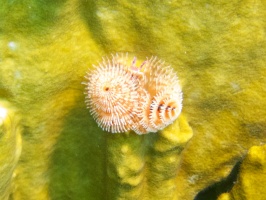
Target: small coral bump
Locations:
point(123, 96)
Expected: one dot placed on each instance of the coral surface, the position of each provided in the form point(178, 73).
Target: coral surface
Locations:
point(218, 49)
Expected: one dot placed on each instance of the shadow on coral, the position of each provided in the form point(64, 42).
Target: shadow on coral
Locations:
point(213, 191)
point(76, 171)
point(89, 14)
point(30, 16)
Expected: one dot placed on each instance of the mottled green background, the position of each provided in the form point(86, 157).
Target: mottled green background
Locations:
point(217, 48)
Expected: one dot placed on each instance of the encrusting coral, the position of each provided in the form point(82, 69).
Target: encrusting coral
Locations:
point(133, 175)
point(218, 50)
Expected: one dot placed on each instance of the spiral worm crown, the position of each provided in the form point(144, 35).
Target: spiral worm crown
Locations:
point(123, 97)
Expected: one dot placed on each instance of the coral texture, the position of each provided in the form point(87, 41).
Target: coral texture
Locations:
point(218, 49)
point(132, 176)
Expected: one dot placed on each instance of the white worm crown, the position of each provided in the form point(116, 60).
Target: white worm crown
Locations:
point(123, 97)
